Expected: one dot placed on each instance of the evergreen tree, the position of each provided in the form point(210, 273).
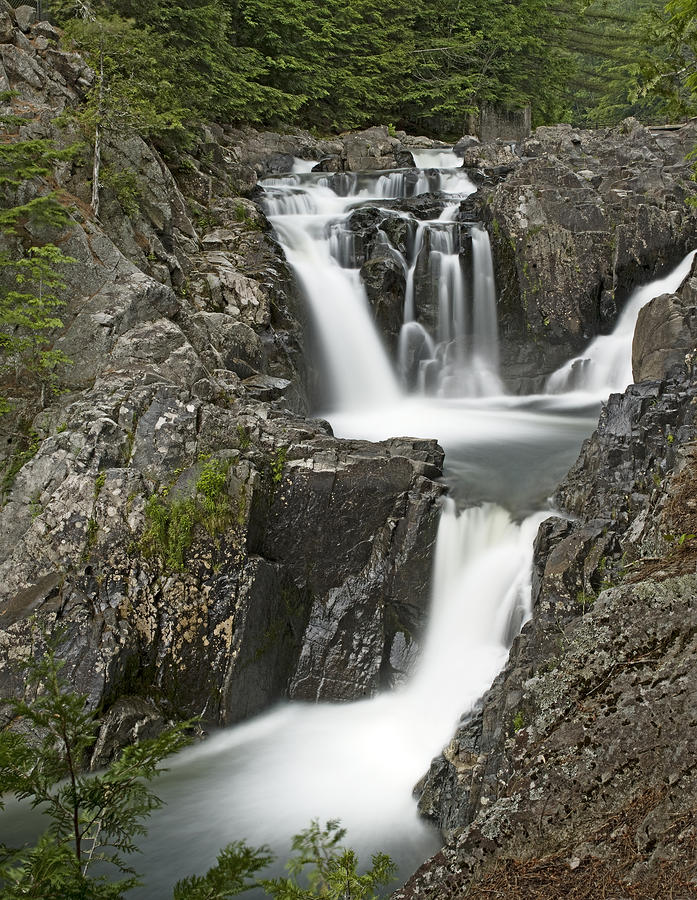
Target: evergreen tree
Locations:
point(96, 818)
point(31, 283)
point(93, 818)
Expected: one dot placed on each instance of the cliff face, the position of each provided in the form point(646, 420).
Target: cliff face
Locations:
point(202, 547)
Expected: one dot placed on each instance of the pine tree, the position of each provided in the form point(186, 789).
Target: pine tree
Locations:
point(31, 281)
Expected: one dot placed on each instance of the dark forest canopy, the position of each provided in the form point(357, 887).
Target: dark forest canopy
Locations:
point(340, 64)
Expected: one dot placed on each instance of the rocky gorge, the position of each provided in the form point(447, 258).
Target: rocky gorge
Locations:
point(207, 547)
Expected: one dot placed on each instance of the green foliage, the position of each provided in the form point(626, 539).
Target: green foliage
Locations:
point(134, 91)
point(278, 461)
point(31, 284)
point(236, 865)
point(28, 312)
point(94, 819)
point(243, 437)
point(678, 539)
point(585, 599)
point(30, 160)
point(323, 64)
point(170, 523)
point(519, 721)
point(124, 186)
point(329, 870)
point(610, 44)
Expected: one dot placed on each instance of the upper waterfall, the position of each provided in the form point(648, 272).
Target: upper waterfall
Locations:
point(448, 344)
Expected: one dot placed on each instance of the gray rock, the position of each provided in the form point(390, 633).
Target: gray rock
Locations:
point(566, 742)
point(666, 333)
point(385, 285)
point(550, 222)
point(370, 149)
point(25, 16)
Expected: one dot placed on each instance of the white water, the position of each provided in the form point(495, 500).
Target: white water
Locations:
point(265, 779)
point(436, 159)
point(361, 760)
point(606, 366)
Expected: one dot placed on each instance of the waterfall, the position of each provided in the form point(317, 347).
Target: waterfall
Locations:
point(458, 356)
point(355, 363)
point(463, 359)
point(440, 158)
point(606, 366)
point(359, 760)
point(265, 779)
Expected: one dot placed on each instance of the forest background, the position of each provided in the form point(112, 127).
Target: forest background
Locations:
point(422, 66)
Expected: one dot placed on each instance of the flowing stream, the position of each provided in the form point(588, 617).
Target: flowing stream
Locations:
point(266, 779)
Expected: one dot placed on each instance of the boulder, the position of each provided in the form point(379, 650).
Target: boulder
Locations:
point(610, 205)
point(385, 283)
point(26, 17)
point(666, 333)
point(371, 149)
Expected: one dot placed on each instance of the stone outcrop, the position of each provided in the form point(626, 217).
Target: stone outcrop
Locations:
point(666, 332)
point(374, 148)
point(578, 219)
point(202, 547)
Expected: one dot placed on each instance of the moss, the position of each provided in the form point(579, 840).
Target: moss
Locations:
point(243, 436)
point(585, 600)
point(278, 462)
point(99, 484)
point(170, 523)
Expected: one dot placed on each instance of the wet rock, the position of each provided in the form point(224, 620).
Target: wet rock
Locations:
point(329, 164)
point(607, 205)
point(385, 283)
point(666, 333)
point(186, 362)
point(568, 742)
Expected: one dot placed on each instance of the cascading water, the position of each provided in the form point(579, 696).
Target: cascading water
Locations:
point(606, 366)
point(266, 779)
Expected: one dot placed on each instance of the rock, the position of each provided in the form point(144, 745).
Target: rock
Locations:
point(329, 164)
point(47, 31)
point(488, 156)
point(265, 387)
point(665, 333)
point(549, 221)
point(465, 143)
point(564, 751)
point(185, 356)
point(25, 16)
point(385, 284)
point(277, 164)
point(404, 159)
point(7, 24)
point(370, 149)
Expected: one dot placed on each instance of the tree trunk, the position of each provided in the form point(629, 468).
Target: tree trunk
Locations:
point(96, 165)
point(97, 161)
